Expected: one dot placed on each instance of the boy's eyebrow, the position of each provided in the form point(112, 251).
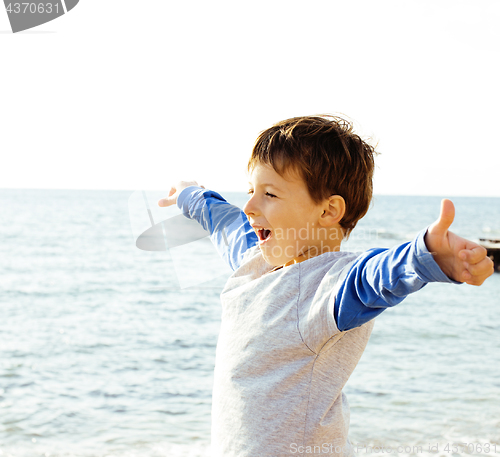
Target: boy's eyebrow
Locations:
point(267, 185)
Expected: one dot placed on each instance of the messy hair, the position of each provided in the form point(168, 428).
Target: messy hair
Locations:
point(327, 154)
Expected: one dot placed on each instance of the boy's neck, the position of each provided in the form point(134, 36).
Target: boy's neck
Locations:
point(329, 242)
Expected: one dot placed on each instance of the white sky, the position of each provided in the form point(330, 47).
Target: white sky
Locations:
point(121, 94)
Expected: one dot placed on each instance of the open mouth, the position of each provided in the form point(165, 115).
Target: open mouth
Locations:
point(264, 234)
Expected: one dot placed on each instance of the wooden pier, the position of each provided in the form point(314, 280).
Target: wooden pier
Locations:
point(492, 245)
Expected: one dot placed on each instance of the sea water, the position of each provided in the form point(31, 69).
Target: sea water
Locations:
point(103, 352)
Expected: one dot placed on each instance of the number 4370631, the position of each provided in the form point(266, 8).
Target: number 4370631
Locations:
point(471, 448)
point(33, 8)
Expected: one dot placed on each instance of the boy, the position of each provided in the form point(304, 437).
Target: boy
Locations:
point(297, 313)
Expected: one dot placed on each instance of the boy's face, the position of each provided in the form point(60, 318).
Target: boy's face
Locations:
point(284, 216)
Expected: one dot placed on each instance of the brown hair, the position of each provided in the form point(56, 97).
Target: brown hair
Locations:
point(327, 154)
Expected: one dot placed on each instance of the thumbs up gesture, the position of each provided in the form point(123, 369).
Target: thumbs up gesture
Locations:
point(460, 259)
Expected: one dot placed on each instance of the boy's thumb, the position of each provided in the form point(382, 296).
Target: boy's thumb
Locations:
point(168, 201)
point(445, 218)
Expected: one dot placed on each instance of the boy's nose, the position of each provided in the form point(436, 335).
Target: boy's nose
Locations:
point(250, 207)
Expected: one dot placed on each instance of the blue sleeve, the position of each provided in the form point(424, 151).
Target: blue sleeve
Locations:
point(381, 278)
point(228, 225)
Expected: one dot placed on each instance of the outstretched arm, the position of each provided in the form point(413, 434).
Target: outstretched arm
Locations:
point(460, 259)
point(227, 225)
point(381, 278)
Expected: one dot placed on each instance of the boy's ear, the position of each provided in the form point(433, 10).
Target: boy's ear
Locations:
point(333, 211)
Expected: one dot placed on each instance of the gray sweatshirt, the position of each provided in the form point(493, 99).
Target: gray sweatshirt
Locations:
point(281, 362)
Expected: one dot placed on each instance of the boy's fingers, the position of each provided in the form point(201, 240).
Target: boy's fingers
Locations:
point(481, 268)
point(166, 202)
point(170, 200)
point(474, 254)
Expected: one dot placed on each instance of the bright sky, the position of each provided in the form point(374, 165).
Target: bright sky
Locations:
point(122, 94)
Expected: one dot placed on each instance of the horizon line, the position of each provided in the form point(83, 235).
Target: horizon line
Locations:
point(382, 194)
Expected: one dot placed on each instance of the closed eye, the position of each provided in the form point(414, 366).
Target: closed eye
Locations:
point(268, 194)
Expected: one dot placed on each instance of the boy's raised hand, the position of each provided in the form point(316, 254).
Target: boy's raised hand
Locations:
point(460, 259)
point(175, 190)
